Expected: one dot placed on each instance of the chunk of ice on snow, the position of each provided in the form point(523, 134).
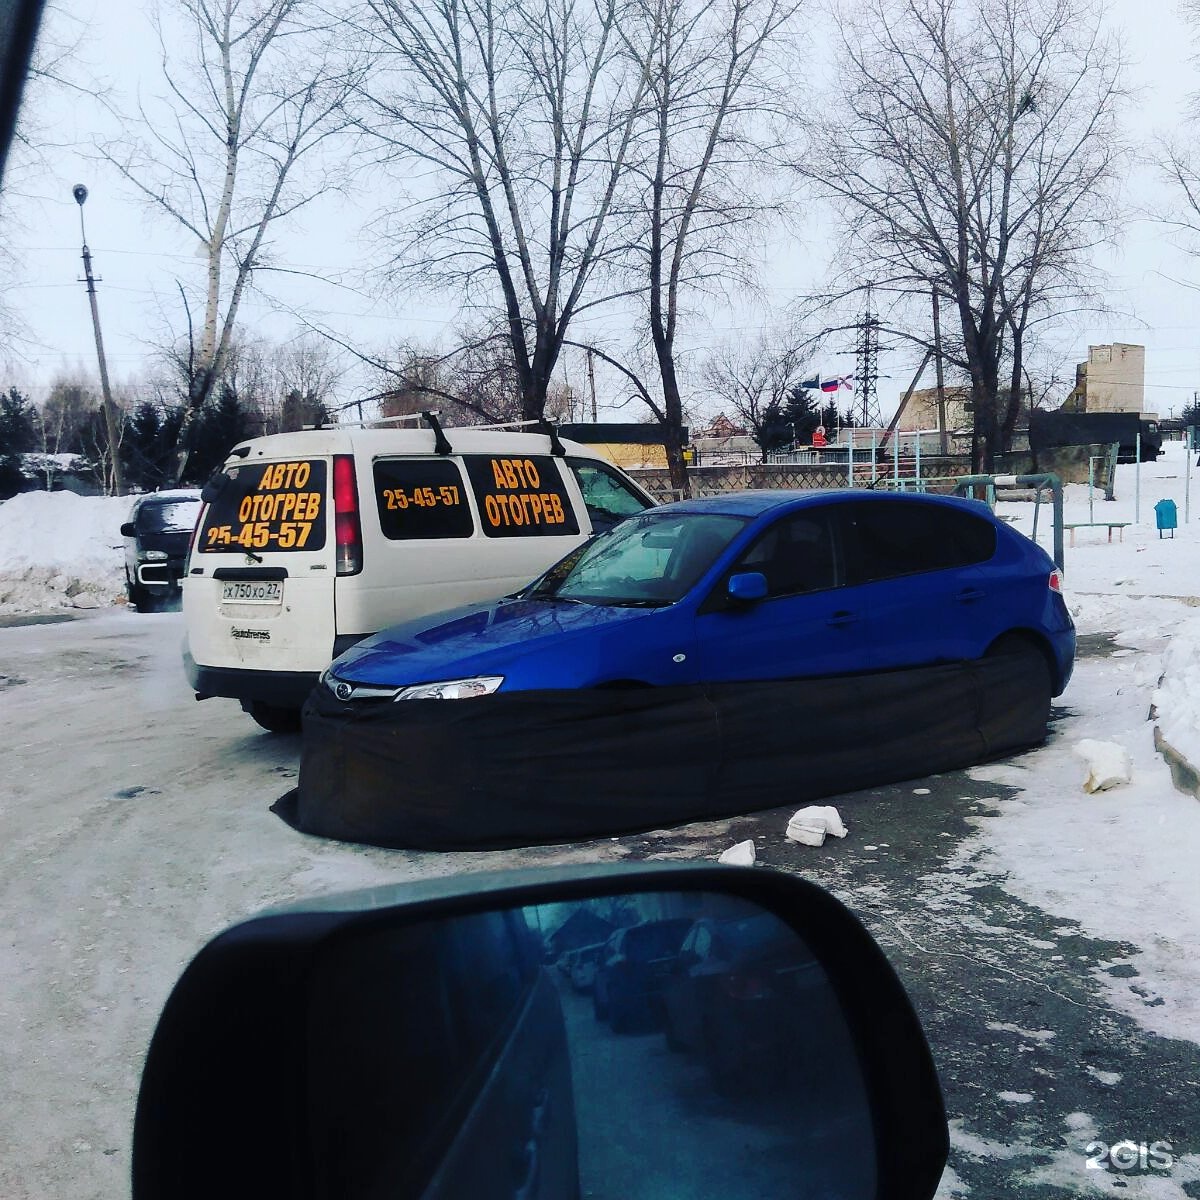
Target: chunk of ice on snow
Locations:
point(1108, 764)
point(810, 825)
point(740, 855)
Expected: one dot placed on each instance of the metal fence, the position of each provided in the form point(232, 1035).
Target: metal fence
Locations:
point(936, 474)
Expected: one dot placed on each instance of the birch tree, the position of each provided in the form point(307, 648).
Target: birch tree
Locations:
point(237, 143)
point(518, 118)
point(975, 155)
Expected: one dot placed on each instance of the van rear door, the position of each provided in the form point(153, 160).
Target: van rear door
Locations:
point(259, 593)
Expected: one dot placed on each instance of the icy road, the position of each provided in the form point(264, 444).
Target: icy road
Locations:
point(1048, 937)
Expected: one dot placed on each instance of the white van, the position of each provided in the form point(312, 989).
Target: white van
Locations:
point(311, 541)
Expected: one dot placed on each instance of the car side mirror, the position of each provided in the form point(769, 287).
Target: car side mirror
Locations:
point(408, 1041)
point(127, 530)
point(747, 587)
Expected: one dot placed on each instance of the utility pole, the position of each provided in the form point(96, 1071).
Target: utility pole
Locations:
point(866, 375)
point(111, 424)
point(592, 385)
point(943, 433)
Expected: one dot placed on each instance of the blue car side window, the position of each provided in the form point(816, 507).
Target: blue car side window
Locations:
point(896, 537)
point(796, 555)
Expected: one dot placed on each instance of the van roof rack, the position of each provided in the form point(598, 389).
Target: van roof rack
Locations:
point(430, 415)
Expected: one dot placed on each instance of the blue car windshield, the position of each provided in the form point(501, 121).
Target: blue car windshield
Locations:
point(647, 561)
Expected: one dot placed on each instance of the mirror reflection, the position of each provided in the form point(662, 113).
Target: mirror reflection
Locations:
point(654, 1045)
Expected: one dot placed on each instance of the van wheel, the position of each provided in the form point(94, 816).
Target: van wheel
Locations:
point(273, 718)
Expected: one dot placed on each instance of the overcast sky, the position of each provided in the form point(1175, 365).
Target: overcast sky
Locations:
point(138, 257)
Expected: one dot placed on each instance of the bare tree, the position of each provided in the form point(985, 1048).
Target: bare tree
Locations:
point(254, 93)
point(754, 380)
point(975, 156)
point(54, 72)
point(522, 116)
point(698, 179)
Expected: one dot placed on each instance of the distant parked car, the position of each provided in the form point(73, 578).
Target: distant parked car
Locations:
point(583, 967)
point(156, 537)
point(627, 990)
point(729, 993)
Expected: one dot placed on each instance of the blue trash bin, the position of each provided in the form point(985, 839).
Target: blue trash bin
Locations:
point(1166, 516)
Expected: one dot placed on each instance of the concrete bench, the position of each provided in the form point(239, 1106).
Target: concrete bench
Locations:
point(1119, 526)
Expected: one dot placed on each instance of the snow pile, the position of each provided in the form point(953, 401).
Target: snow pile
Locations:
point(59, 550)
point(810, 825)
point(1177, 698)
point(740, 855)
point(1109, 764)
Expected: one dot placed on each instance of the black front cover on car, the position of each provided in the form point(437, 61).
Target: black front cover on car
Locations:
point(522, 768)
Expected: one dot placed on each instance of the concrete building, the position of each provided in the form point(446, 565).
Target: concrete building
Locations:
point(1112, 380)
point(921, 412)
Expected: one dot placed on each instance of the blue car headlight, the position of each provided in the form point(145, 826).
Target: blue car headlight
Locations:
point(452, 689)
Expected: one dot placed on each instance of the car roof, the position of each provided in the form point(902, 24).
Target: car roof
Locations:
point(463, 439)
point(755, 503)
point(175, 496)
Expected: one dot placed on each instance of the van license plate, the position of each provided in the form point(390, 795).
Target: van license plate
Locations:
point(239, 591)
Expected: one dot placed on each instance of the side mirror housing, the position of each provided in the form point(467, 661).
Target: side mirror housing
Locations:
point(747, 587)
point(356, 1046)
point(127, 530)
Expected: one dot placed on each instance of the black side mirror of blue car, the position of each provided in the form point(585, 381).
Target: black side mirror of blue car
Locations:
point(410, 1041)
point(127, 530)
point(747, 587)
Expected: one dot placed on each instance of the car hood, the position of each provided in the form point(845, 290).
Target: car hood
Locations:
point(480, 639)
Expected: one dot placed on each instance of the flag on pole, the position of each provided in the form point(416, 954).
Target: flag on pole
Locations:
point(836, 382)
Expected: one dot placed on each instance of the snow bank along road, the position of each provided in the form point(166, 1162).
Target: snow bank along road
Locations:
point(1048, 937)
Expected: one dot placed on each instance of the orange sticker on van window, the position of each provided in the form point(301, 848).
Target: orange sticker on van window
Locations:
point(421, 499)
point(521, 496)
point(268, 506)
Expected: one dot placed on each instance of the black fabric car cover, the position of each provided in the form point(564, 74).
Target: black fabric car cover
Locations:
point(522, 768)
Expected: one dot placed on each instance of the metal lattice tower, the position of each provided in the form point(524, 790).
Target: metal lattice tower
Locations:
point(866, 375)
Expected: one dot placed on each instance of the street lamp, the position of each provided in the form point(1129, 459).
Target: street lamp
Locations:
point(111, 425)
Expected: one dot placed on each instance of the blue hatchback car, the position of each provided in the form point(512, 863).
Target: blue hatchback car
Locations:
point(750, 586)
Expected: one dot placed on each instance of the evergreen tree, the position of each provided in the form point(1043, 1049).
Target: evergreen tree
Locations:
point(802, 414)
point(148, 447)
point(221, 425)
point(17, 435)
point(774, 428)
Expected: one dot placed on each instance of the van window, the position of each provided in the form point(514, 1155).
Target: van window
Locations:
point(606, 496)
point(421, 498)
point(520, 496)
point(268, 506)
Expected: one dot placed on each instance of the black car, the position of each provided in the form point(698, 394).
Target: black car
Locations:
point(627, 989)
point(156, 545)
point(729, 993)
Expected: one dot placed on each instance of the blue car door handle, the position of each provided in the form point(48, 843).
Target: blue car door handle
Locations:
point(970, 595)
point(842, 618)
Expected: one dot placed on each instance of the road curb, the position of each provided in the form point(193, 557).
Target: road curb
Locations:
point(1184, 775)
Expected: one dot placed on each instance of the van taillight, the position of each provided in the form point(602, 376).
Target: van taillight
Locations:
point(1056, 581)
point(347, 529)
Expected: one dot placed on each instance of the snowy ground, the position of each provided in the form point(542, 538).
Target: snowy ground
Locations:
point(1048, 935)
